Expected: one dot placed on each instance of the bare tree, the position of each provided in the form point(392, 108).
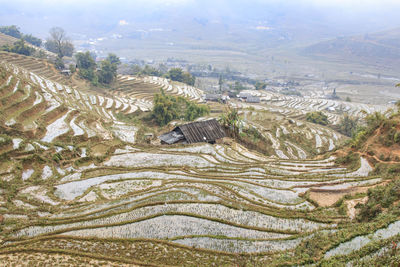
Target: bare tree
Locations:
point(59, 43)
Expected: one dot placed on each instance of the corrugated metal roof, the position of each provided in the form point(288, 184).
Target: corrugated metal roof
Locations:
point(172, 137)
point(244, 95)
point(253, 99)
point(213, 97)
point(202, 131)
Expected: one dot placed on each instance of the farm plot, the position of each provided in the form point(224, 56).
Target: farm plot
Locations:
point(229, 216)
point(360, 241)
point(239, 246)
point(141, 159)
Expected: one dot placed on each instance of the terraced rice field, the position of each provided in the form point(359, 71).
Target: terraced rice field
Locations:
point(293, 138)
point(185, 205)
point(145, 87)
point(35, 65)
point(296, 107)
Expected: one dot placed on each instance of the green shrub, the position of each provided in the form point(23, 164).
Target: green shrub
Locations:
point(194, 111)
point(342, 207)
point(5, 139)
point(231, 120)
point(351, 159)
point(59, 63)
point(19, 47)
point(359, 138)
point(253, 133)
point(379, 198)
point(72, 68)
point(313, 248)
point(394, 169)
point(57, 157)
point(392, 137)
point(373, 122)
point(348, 125)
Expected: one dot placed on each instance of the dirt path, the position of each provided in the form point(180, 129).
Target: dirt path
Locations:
point(351, 204)
point(377, 159)
point(328, 198)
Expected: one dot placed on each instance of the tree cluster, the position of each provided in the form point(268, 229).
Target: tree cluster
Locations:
point(147, 70)
point(86, 66)
point(59, 43)
point(317, 117)
point(14, 31)
point(177, 74)
point(104, 73)
point(168, 108)
point(348, 125)
point(19, 47)
point(237, 86)
point(260, 85)
point(32, 40)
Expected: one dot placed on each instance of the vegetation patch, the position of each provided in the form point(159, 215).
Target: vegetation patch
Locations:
point(167, 108)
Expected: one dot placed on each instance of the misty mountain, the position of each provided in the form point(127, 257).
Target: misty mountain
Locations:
point(378, 48)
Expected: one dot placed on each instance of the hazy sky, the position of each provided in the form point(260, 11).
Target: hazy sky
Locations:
point(351, 16)
point(345, 3)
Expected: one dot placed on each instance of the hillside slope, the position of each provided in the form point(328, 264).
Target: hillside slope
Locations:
point(73, 177)
point(6, 39)
point(380, 140)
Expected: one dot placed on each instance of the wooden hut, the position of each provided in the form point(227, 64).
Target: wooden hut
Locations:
point(201, 131)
